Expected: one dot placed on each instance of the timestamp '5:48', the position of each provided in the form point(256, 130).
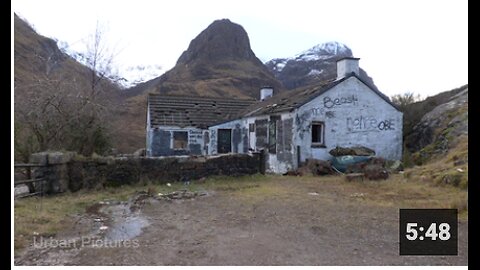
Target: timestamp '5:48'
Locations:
point(443, 232)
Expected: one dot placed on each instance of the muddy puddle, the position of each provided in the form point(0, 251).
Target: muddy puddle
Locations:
point(124, 222)
point(119, 221)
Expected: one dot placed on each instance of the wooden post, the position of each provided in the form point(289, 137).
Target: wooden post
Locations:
point(31, 187)
point(262, 161)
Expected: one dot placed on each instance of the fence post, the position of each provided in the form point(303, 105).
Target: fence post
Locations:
point(30, 186)
point(46, 175)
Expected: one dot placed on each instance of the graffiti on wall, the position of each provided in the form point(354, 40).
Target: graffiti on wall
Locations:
point(329, 102)
point(213, 141)
point(369, 123)
point(302, 122)
point(195, 137)
point(318, 111)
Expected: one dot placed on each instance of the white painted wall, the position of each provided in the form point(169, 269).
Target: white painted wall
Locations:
point(266, 92)
point(252, 139)
point(354, 115)
point(346, 66)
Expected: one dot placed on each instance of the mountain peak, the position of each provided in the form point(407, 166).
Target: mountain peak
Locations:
point(221, 40)
point(219, 62)
point(312, 66)
point(324, 51)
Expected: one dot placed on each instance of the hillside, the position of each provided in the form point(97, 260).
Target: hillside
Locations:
point(436, 138)
point(52, 92)
point(38, 59)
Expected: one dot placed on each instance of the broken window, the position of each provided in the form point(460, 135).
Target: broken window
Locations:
point(261, 133)
point(318, 134)
point(180, 139)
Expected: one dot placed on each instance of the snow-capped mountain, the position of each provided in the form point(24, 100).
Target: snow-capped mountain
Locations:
point(123, 75)
point(310, 66)
point(324, 51)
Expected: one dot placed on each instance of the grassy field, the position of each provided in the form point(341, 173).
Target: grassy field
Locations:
point(48, 215)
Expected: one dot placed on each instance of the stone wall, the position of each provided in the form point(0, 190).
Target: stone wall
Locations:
point(67, 172)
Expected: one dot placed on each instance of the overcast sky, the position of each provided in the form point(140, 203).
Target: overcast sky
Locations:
point(406, 45)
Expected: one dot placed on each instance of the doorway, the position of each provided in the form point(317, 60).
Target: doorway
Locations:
point(224, 143)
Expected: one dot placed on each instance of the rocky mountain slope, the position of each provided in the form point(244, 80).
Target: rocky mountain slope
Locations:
point(39, 63)
point(312, 66)
point(437, 144)
point(443, 120)
point(218, 62)
point(38, 59)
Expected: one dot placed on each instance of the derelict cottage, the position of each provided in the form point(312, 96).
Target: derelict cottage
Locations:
point(290, 127)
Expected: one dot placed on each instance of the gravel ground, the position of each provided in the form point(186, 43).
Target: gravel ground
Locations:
point(290, 223)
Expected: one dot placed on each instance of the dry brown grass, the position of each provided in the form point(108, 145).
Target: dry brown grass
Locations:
point(442, 170)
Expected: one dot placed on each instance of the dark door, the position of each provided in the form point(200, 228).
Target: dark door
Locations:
point(224, 143)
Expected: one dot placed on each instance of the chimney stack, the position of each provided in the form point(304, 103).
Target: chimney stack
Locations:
point(346, 66)
point(266, 92)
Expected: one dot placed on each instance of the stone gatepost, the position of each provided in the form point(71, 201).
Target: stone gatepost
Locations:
point(54, 170)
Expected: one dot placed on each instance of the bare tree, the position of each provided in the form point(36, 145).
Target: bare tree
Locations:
point(402, 100)
point(65, 109)
point(100, 58)
point(59, 114)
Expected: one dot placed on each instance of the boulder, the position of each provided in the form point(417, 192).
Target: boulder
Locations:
point(395, 166)
point(375, 172)
point(319, 167)
point(377, 161)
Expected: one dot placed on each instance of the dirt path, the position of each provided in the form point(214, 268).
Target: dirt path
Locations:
point(289, 223)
